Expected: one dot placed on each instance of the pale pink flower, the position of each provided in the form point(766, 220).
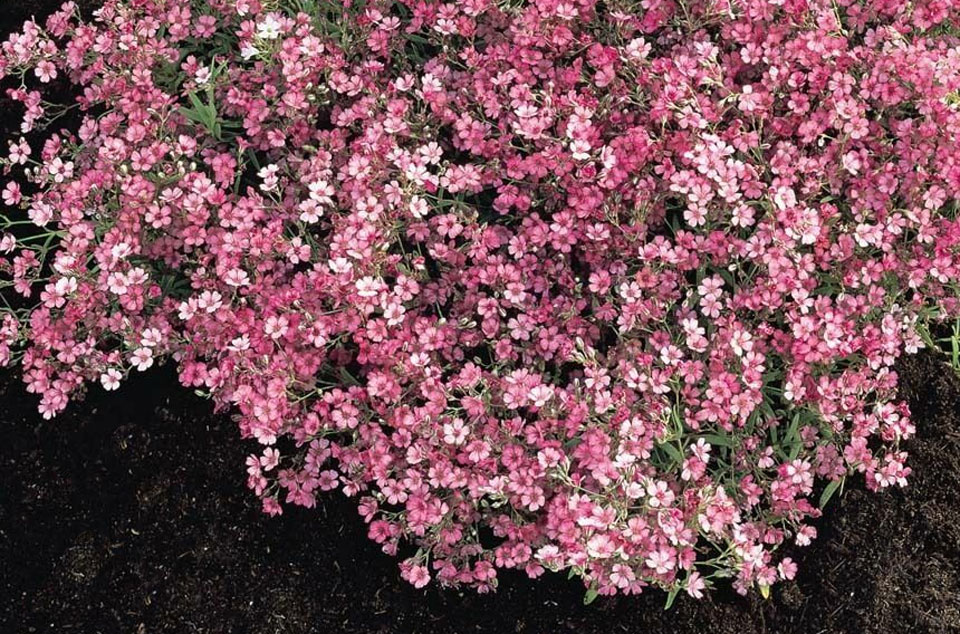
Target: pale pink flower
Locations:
point(142, 359)
point(111, 379)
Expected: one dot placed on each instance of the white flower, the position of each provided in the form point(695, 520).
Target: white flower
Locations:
point(269, 176)
point(269, 29)
point(418, 207)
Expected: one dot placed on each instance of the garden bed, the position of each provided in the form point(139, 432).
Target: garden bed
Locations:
point(128, 513)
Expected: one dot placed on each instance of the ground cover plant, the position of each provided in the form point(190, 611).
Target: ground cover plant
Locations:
point(614, 288)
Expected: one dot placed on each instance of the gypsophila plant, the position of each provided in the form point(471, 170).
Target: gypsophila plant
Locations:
point(608, 287)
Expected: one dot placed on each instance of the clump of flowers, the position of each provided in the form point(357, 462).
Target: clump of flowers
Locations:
point(614, 287)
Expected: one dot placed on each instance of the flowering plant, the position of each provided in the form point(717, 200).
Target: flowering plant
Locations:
point(614, 287)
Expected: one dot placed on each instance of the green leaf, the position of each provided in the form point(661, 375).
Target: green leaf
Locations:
point(772, 375)
point(673, 451)
point(717, 440)
point(346, 377)
point(192, 115)
point(671, 596)
point(828, 492)
point(198, 105)
point(791, 441)
point(728, 277)
point(202, 113)
point(764, 591)
point(573, 443)
point(589, 597)
point(767, 410)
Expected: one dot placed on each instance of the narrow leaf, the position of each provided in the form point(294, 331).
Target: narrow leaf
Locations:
point(828, 492)
point(671, 596)
point(589, 597)
point(673, 451)
point(717, 440)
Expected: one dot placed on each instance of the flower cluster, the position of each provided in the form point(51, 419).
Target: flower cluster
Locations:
point(614, 287)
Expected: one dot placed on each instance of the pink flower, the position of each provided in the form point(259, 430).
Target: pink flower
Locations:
point(11, 194)
point(513, 285)
point(111, 379)
point(276, 326)
point(660, 561)
point(272, 507)
point(269, 459)
point(695, 585)
point(328, 480)
point(202, 75)
point(419, 576)
point(368, 287)
point(19, 152)
point(60, 170)
point(236, 278)
point(787, 569)
point(851, 162)
point(46, 71)
point(142, 358)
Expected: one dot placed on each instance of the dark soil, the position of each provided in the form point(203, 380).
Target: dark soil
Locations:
point(129, 514)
